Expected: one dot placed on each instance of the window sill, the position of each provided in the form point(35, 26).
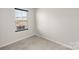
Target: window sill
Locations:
point(20, 30)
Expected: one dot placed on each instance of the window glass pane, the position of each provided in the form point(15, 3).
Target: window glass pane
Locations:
point(21, 20)
point(18, 14)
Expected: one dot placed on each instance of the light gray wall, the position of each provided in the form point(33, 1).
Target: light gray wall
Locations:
point(60, 25)
point(7, 26)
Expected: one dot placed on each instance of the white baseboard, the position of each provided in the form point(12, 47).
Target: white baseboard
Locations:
point(16, 40)
point(63, 44)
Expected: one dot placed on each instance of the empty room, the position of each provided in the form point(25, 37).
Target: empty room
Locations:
point(39, 28)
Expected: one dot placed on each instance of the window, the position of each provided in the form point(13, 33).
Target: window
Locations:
point(21, 19)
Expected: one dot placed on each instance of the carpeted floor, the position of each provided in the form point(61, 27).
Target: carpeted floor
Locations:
point(34, 43)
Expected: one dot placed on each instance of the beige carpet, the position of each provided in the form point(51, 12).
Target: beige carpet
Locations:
point(34, 43)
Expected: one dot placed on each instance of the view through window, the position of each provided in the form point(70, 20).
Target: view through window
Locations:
point(21, 19)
